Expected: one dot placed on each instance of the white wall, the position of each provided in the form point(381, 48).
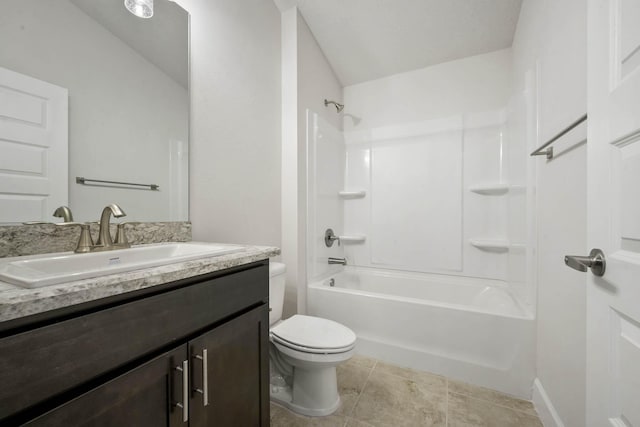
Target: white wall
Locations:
point(550, 43)
point(452, 113)
point(235, 121)
point(474, 84)
point(307, 80)
point(109, 85)
point(316, 81)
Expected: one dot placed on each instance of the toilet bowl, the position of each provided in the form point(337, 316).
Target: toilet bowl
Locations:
point(304, 353)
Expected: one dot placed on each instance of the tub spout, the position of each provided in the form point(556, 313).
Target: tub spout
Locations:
point(342, 261)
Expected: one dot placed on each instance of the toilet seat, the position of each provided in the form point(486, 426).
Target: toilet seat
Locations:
point(303, 349)
point(313, 335)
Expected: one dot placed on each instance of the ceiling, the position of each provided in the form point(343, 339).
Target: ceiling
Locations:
point(162, 40)
point(369, 39)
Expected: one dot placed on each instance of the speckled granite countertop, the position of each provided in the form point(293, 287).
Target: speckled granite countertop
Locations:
point(17, 302)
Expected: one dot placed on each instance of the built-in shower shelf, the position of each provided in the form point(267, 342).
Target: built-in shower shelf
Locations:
point(497, 245)
point(359, 194)
point(350, 239)
point(496, 188)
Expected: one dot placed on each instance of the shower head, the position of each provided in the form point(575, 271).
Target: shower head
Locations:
point(339, 107)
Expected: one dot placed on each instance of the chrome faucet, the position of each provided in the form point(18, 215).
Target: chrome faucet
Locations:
point(105, 242)
point(63, 212)
point(333, 260)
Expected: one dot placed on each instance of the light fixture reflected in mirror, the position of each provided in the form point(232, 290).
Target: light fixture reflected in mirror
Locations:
point(140, 8)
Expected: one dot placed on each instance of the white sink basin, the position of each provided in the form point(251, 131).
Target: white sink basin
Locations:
point(52, 269)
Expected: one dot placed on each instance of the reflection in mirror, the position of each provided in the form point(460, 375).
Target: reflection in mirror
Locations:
point(89, 90)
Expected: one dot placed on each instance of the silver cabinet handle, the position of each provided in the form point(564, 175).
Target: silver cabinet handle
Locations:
point(205, 376)
point(595, 261)
point(185, 390)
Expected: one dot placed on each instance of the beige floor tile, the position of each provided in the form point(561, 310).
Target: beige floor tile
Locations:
point(437, 381)
point(351, 380)
point(387, 395)
point(492, 396)
point(363, 361)
point(465, 411)
point(392, 400)
point(352, 422)
point(281, 417)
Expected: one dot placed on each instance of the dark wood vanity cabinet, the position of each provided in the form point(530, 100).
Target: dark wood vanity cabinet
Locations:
point(234, 363)
point(145, 396)
point(193, 353)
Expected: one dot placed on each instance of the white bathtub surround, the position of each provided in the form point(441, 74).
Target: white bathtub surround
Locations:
point(325, 206)
point(473, 330)
point(419, 213)
point(430, 286)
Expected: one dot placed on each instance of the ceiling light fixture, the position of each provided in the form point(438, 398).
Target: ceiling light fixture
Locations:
point(140, 8)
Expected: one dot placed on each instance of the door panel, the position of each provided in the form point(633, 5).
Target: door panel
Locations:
point(143, 397)
point(33, 147)
point(613, 308)
point(237, 361)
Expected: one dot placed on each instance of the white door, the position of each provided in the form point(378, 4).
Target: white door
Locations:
point(33, 148)
point(613, 301)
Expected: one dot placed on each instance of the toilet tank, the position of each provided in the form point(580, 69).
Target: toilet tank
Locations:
point(277, 272)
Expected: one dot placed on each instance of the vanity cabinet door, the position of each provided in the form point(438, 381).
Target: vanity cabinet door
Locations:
point(231, 386)
point(143, 397)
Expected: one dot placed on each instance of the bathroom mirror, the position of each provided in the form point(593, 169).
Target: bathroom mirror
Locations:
point(127, 119)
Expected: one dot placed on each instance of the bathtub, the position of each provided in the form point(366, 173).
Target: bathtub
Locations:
point(471, 330)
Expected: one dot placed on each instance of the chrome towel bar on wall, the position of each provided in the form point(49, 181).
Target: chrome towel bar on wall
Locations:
point(549, 151)
point(102, 183)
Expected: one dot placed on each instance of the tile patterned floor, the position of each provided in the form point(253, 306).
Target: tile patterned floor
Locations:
point(376, 394)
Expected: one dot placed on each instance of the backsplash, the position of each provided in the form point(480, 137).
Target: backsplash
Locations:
point(19, 240)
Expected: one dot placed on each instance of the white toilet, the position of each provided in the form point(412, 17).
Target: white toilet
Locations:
point(304, 353)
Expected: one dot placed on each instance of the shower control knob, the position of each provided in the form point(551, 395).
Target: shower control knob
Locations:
point(595, 261)
point(330, 237)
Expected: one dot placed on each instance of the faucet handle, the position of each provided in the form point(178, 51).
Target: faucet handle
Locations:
point(85, 242)
point(121, 236)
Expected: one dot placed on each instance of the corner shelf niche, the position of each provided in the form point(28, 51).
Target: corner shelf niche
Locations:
point(494, 245)
point(496, 189)
point(355, 238)
point(358, 194)
point(518, 246)
point(490, 189)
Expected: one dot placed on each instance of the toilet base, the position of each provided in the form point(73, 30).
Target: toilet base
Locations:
point(283, 396)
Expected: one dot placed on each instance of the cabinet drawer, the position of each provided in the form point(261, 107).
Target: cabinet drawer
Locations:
point(49, 360)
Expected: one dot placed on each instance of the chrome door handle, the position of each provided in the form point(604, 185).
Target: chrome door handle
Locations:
point(185, 390)
point(205, 376)
point(595, 261)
